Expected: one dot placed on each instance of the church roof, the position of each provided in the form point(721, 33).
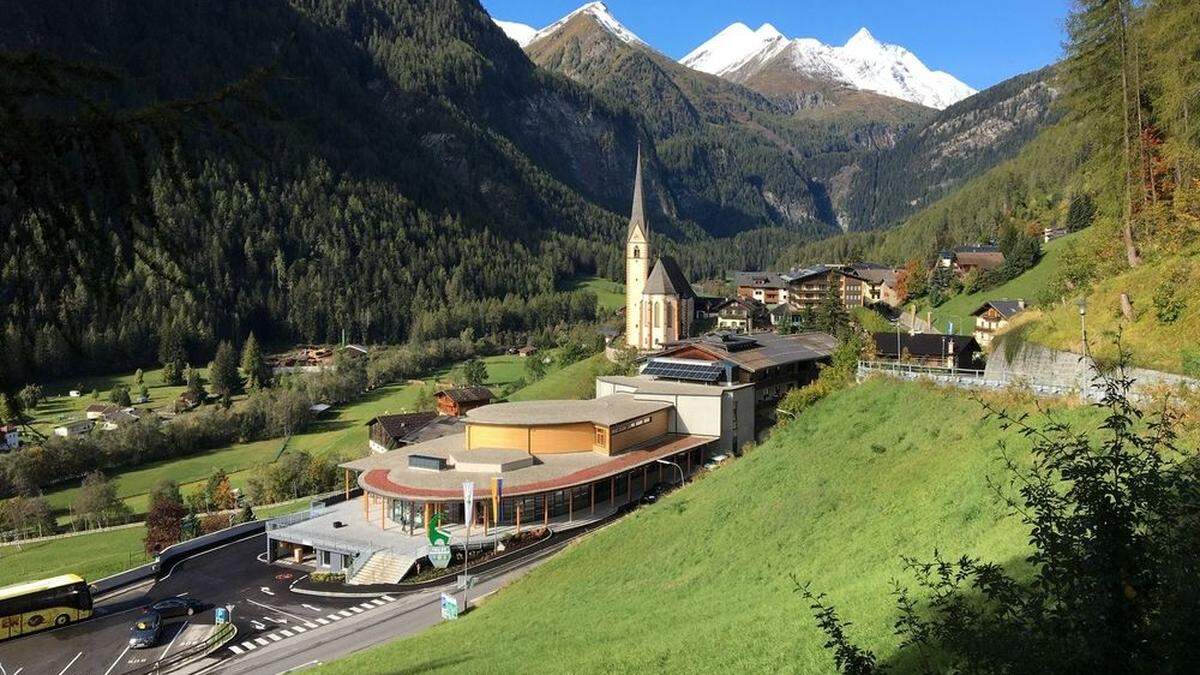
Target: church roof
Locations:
point(668, 279)
point(637, 218)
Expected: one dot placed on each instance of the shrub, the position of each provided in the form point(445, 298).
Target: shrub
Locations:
point(1169, 303)
point(328, 577)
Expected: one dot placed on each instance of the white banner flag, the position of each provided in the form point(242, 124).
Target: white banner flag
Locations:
point(468, 502)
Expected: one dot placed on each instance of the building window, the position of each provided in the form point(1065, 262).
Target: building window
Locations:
point(600, 437)
point(631, 424)
point(636, 253)
point(657, 314)
point(325, 562)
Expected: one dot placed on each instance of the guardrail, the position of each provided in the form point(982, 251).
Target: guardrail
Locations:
point(167, 663)
point(918, 368)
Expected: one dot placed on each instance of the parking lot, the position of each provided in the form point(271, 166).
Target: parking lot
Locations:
point(263, 609)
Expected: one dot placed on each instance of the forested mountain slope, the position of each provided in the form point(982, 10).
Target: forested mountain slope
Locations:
point(958, 143)
point(410, 162)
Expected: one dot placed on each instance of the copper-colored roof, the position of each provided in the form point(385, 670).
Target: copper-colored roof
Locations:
point(553, 472)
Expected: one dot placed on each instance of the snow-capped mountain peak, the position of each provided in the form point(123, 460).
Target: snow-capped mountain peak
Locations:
point(863, 62)
point(523, 35)
point(863, 39)
point(733, 47)
point(520, 33)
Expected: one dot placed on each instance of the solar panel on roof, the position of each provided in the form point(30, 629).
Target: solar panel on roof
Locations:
point(693, 372)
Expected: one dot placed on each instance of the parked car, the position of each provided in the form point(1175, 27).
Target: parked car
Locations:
point(145, 631)
point(173, 607)
point(715, 461)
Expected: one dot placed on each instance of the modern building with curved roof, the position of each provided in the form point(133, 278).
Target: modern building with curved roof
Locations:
point(556, 463)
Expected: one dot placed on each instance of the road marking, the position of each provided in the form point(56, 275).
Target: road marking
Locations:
point(299, 629)
point(311, 608)
point(257, 625)
point(343, 613)
point(388, 598)
point(274, 637)
point(276, 609)
point(114, 663)
point(261, 641)
point(323, 622)
point(356, 610)
point(287, 633)
point(308, 624)
point(335, 617)
point(266, 590)
point(377, 602)
point(248, 646)
point(68, 666)
point(172, 642)
point(235, 649)
point(367, 605)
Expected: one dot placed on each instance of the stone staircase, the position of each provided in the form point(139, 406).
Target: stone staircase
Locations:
point(383, 567)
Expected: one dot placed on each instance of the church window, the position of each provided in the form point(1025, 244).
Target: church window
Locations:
point(670, 315)
point(636, 252)
point(657, 314)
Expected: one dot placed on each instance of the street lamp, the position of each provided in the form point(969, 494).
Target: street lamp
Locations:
point(668, 463)
point(1082, 304)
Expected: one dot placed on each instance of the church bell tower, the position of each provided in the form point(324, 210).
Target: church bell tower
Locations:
point(637, 260)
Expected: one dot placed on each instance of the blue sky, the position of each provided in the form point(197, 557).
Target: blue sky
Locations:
point(979, 41)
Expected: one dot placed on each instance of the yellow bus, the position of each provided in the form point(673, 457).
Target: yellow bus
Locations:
point(37, 605)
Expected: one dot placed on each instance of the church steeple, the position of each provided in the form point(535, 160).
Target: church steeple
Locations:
point(637, 261)
point(637, 218)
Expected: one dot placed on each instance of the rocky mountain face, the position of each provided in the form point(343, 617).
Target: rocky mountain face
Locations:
point(932, 161)
point(732, 157)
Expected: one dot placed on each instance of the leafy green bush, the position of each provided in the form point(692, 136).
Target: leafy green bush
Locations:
point(328, 577)
point(1189, 361)
point(1168, 303)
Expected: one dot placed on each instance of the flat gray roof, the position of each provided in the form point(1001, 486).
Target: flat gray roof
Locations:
point(650, 385)
point(606, 410)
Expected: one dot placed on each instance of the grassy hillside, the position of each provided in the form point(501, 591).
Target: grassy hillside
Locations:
point(610, 294)
point(1027, 286)
point(1164, 346)
point(700, 582)
point(577, 380)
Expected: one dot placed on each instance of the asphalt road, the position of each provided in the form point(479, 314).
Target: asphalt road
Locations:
point(229, 575)
point(400, 617)
point(278, 630)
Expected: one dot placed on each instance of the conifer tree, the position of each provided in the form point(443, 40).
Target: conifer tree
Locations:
point(254, 366)
point(223, 372)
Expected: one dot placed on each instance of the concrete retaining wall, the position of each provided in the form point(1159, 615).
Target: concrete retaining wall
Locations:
point(1041, 367)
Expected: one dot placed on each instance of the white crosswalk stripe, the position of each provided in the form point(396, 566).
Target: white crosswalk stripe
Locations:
point(248, 646)
point(335, 617)
point(299, 629)
point(376, 602)
point(366, 605)
point(388, 598)
point(235, 649)
point(309, 624)
point(274, 637)
point(261, 641)
point(287, 633)
point(323, 622)
point(356, 610)
point(344, 613)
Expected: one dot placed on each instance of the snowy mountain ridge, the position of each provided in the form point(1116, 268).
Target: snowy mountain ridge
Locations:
point(862, 63)
point(523, 34)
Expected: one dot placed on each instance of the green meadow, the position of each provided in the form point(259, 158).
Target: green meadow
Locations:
point(703, 580)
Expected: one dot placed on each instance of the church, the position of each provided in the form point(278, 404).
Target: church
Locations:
point(659, 302)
